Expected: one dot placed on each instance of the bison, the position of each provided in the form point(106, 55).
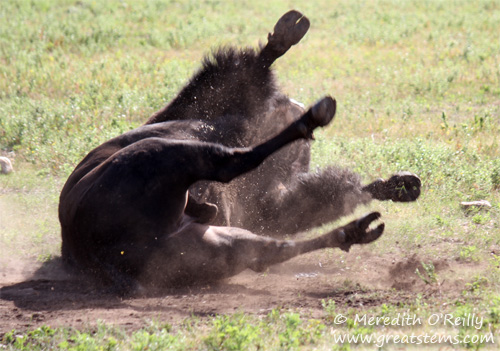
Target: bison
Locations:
point(185, 198)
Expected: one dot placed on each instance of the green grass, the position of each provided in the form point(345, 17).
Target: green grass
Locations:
point(279, 329)
point(417, 85)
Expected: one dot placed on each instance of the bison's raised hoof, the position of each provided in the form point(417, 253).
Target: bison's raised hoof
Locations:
point(359, 232)
point(401, 187)
point(404, 187)
point(288, 31)
point(319, 115)
point(324, 111)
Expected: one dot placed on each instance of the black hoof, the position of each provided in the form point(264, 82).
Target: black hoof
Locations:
point(323, 111)
point(401, 187)
point(319, 115)
point(289, 30)
point(404, 187)
point(359, 232)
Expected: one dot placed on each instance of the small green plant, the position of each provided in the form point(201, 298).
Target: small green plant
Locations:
point(291, 336)
point(469, 253)
point(480, 218)
point(419, 302)
point(493, 318)
point(441, 221)
point(476, 285)
point(444, 124)
point(330, 308)
point(231, 333)
point(30, 340)
point(495, 176)
point(428, 275)
point(495, 261)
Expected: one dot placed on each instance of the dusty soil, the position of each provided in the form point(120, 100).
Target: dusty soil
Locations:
point(49, 297)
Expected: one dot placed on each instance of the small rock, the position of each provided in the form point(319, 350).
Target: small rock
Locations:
point(473, 205)
point(5, 165)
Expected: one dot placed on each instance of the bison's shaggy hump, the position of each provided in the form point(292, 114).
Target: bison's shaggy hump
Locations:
point(216, 90)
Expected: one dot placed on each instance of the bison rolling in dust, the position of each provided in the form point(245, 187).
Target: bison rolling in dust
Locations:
point(180, 199)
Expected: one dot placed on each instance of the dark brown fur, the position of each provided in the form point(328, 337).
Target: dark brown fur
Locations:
point(230, 150)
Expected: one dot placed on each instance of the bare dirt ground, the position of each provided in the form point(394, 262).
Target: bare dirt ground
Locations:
point(358, 279)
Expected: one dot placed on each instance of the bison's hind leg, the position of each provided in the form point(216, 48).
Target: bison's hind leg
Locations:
point(288, 31)
point(204, 254)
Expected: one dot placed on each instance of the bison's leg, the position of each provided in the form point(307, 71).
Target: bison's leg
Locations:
point(310, 200)
point(313, 199)
point(225, 166)
point(201, 254)
point(288, 31)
